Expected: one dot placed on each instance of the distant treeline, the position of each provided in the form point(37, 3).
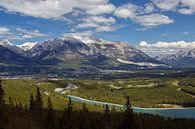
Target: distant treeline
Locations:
point(34, 116)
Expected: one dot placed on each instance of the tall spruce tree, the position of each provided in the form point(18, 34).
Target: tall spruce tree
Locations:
point(128, 115)
point(68, 119)
point(2, 102)
point(39, 107)
point(38, 102)
point(106, 117)
point(32, 104)
point(84, 118)
point(50, 117)
point(2, 105)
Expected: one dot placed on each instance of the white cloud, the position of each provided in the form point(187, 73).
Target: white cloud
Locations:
point(157, 48)
point(188, 7)
point(166, 5)
point(4, 31)
point(30, 34)
point(99, 23)
point(153, 20)
point(100, 19)
point(182, 6)
point(127, 11)
point(186, 33)
point(165, 34)
point(145, 16)
point(19, 34)
point(56, 9)
point(105, 29)
point(149, 8)
point(101, 9)
point(87, 25)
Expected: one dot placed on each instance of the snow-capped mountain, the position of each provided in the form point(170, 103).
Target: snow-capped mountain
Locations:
point(27, 46)
point(10, 46)
point(79, 51)
point(9, 57)
point(90, 50)
point(179, 59)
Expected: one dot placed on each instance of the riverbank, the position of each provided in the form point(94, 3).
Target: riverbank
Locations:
point(88, 101)
point(179, 112)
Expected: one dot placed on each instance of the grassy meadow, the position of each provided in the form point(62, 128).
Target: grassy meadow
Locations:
point(144, 92)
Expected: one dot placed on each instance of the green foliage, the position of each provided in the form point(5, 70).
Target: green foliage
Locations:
point(128, 115)
point(18, 117)
point(50, 116)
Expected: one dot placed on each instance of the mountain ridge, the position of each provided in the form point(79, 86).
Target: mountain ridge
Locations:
point(181, 59)
point(84, 51)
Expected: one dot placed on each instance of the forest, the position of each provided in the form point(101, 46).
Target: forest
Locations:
point(34, 116)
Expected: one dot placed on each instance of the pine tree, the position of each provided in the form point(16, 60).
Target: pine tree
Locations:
point(128, 115)
point(106, 117)
point(38, 103)
point(2, 102)
point(11, 102)
point(84, 118)
point(2, 105)
point(38, 111)
point(67, 120)
point(38, 100)
point(31, 104)
point(50, 119)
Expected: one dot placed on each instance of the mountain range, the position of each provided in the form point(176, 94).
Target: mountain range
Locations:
point(181, 59)
point(77, 51)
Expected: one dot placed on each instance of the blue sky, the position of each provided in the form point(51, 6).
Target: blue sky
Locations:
point(151, 25)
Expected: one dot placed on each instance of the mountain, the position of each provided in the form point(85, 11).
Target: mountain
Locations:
point(27, 46)
point(10, 46)
point(83, 53)
point(181, 59)
point(85, 50)
point(9, 57)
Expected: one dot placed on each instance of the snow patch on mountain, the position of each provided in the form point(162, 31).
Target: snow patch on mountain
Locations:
point(6, 43)
point(27, 46)
point(140, 63)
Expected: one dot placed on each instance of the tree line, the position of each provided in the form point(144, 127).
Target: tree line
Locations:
point(35, 116)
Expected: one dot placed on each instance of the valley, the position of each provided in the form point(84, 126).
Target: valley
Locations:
point(144, 92)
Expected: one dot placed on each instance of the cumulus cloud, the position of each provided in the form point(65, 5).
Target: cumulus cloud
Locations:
point(100, 19)
point(142, 15)
point(153, 20)
point(166, 5)
point(181, 6)
point(4, 31)
point(158, 48)
point(30, 34)
point(56, 8)
point(105, 29)
point(99, 23)
point(101, 9)
point(87, 25)
point(19, 34)
point(127, 11)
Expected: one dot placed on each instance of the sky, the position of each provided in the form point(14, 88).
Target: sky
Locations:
point(154, 26)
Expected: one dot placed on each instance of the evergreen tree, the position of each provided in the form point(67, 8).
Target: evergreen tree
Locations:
point(38, 103)
point(84, 118)
point(2, 102)
point(11, 102)
point(50, 119)
point(67, 120)
point(128, 115)
point(38, 111)
point(31, 104)
point(106, 117)
point(2, 105)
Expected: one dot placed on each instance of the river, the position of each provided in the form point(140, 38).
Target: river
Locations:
point(167, 112)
